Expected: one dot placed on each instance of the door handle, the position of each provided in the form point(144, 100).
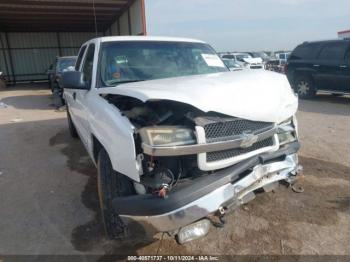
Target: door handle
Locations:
point(316, 65)
point(343, 66)
point(74, 95)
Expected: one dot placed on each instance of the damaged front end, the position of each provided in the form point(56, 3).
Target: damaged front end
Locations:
point(194, 164)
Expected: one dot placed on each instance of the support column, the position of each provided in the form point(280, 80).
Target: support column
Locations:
point(11, 58)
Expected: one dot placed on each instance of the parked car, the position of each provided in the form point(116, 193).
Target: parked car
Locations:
point(232, 65)
point(61, 65)
point(264, 57)
point(320, 66)
point(177, 139)
point(245, 60)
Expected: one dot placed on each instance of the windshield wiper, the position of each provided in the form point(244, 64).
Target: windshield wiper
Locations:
point(128, 81)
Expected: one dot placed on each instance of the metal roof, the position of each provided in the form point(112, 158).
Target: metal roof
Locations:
point(59, 15)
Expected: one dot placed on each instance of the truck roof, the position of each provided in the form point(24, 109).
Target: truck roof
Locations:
point(147, 38)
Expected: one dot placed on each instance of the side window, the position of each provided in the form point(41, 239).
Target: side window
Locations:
point(80, 58)
point(88, 63)
point(306, 51)
point(333, 51)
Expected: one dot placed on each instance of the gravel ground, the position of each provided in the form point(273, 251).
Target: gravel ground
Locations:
point(49, 203)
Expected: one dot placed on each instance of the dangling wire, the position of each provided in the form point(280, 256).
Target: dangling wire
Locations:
point(94, 9)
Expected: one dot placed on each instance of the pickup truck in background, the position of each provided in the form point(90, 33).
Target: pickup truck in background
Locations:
point(178, 139)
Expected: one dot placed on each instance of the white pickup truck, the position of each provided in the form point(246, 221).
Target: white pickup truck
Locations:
point(177, 139)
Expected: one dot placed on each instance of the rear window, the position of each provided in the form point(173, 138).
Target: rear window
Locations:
point(306, 51)
point(333, 51)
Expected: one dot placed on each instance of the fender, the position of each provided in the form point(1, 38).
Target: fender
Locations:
point(115, 132)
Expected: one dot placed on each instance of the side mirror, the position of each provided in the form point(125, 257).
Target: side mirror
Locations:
point(74, 80)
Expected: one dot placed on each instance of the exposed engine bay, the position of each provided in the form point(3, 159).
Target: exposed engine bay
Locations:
point(160, 174)
point(165, 123)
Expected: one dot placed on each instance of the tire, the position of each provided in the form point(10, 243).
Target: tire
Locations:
point(72, 130)
point(304, 87)
point(111, 184)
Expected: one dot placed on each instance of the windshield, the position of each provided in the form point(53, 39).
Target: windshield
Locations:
point(231, 63)
point(260, 54)
point(228, 56)
point(240, 57)
point(64, 64)
point(147, 60)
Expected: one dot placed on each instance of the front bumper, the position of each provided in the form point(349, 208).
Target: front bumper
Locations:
point(229, 188)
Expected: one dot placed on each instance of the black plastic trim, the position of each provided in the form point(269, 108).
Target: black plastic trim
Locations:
point(151, 205)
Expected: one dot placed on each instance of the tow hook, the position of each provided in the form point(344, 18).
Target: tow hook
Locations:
point(220, 216)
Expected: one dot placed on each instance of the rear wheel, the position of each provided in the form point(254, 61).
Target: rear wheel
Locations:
point(304, 87)
point(111, 184)
point(72, 130)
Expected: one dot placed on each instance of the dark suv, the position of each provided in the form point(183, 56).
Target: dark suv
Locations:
point(322, 65)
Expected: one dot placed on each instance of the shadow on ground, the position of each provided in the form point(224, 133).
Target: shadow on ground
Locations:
point(88, 236)
point(260, 230)
point(326, 104)
point(29, 102)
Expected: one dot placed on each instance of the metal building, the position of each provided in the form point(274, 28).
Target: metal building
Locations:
point(33, 33)
point(344, 34)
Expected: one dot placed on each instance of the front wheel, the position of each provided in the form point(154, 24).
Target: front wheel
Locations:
point(304, 87)
point(111, 184)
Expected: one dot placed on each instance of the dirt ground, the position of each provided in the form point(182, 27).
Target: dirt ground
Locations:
point(49, 202)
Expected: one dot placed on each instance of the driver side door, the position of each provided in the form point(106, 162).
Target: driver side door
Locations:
point(80, 96)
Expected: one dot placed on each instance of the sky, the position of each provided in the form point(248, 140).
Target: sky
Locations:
point(249, 25)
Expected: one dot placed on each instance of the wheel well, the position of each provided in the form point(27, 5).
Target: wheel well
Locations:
point(303, 74)
point(96, 147)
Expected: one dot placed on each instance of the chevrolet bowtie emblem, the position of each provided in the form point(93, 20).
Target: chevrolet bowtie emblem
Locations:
point(248, 139)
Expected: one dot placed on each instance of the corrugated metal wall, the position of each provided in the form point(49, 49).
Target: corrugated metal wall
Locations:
point(27, 56)
point(32, 53)
point(131, 22)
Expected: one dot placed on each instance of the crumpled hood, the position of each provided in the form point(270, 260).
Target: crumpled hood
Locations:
point(249, 94)
point(256, 60)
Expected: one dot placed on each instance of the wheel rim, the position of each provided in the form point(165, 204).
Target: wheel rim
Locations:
point(303, 88)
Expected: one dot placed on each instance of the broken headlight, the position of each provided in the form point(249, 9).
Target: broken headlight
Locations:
point(167, 136)
point(287, 131)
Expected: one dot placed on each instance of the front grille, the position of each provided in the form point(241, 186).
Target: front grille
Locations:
point(228, 129)
point(226, 154)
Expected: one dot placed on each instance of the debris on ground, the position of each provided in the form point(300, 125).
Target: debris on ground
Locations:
point(2, 105)
point(297, 188)
point(16, 120)
point(61, 109)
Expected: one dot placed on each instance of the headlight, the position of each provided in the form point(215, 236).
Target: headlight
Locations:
point(287, 131)
point(167, 136)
